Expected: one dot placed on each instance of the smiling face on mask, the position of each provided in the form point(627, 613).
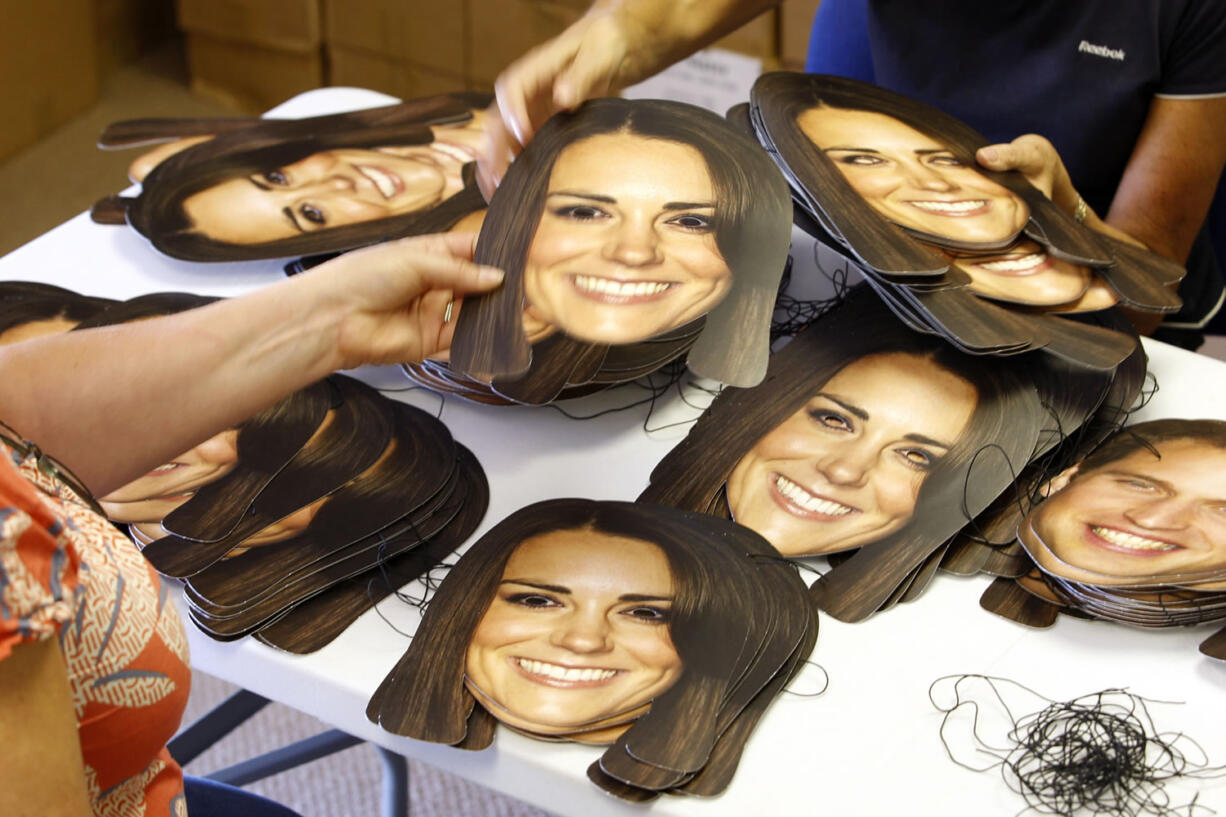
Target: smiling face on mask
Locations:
point(846, 469)
point(335, 188)
point(148, 499)
point(1140, 519)
point(1025, 273)
point(577, 635)
point(625, 248)
point(912, 180)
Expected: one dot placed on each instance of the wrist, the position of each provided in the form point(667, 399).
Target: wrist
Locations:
point(300, 327)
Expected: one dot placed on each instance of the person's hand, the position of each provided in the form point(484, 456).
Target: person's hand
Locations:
point(393, 298)
point(587, 60)
point(1036, 159)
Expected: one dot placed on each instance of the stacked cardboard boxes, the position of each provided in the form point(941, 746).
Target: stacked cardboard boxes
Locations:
point(48, 60)
point(255, 53)
point(406, 48)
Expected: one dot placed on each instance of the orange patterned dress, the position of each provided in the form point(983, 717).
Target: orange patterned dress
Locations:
point(66, 572)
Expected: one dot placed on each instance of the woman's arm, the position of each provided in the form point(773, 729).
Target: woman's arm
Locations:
point(42, 773)
point(615, 44)
point(114, 402)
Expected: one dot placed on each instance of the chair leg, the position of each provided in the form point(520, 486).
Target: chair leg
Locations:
point(395, 797)
point(287, 757)
point(219, 722)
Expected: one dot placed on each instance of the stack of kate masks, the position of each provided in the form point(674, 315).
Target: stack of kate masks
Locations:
point(298, 520)
point(632, 232)
point(875, 445)
point(982, 258)
point(661, 634)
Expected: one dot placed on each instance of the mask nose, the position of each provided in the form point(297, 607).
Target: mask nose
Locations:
point(583, 632)
point(633, 243)
point(848, 464)
point(1166, 513)
point(926, 178)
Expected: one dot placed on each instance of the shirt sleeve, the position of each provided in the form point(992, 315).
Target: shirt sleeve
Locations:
point(1194, 58)
point(38, 566)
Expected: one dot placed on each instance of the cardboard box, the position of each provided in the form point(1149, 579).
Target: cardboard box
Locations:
point(393, 76)
point(248, 77)
point(501, 31)
point(757, 38)
point(290, 25)
point(128, 28)
point(48, 58)
point(426, 33)
point(795, 23)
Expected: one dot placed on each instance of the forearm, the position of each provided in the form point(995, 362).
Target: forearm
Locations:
point(112, 403)
point(1172, 174)
point(661, 32)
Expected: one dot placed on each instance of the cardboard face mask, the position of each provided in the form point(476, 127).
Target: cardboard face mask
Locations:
point(1135, 516)
point(246, 189)
point(896, 184)
point(852, 430)
point(622, 222)
point(914, 180)
point(1133, 534)
point(30, 310)
point(605, 622)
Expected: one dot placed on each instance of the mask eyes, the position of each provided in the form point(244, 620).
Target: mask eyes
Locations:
point(647, 615)
point(276, 177)
point(312, 214)
point(945, 160)
point(861, 160)
point(917, 458)
point(1137, 484)
point(692, 222)
point(831, 419)
point(538, 601)
point(581, 212)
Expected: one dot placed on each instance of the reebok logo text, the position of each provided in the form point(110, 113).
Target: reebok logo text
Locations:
point(1101, 51)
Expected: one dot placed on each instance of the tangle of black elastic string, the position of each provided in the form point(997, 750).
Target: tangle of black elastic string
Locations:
point(1021, 493)
point(825, 682)
point(971, 522)
point(430, 582)
point(673, 375)
point(784, 560)
point(672, 372)
point(1148, 392)
point(442, 398)
point(792, 315)
point(1098, 754)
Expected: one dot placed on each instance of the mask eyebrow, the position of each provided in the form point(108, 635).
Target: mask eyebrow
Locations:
point(920, 438)
point(690, 205)
point(1163, 484)
point(552, 588)
point(850, 408)
point(589, 196)
point(292, 219)
point(852, 149)
point(639, 597)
